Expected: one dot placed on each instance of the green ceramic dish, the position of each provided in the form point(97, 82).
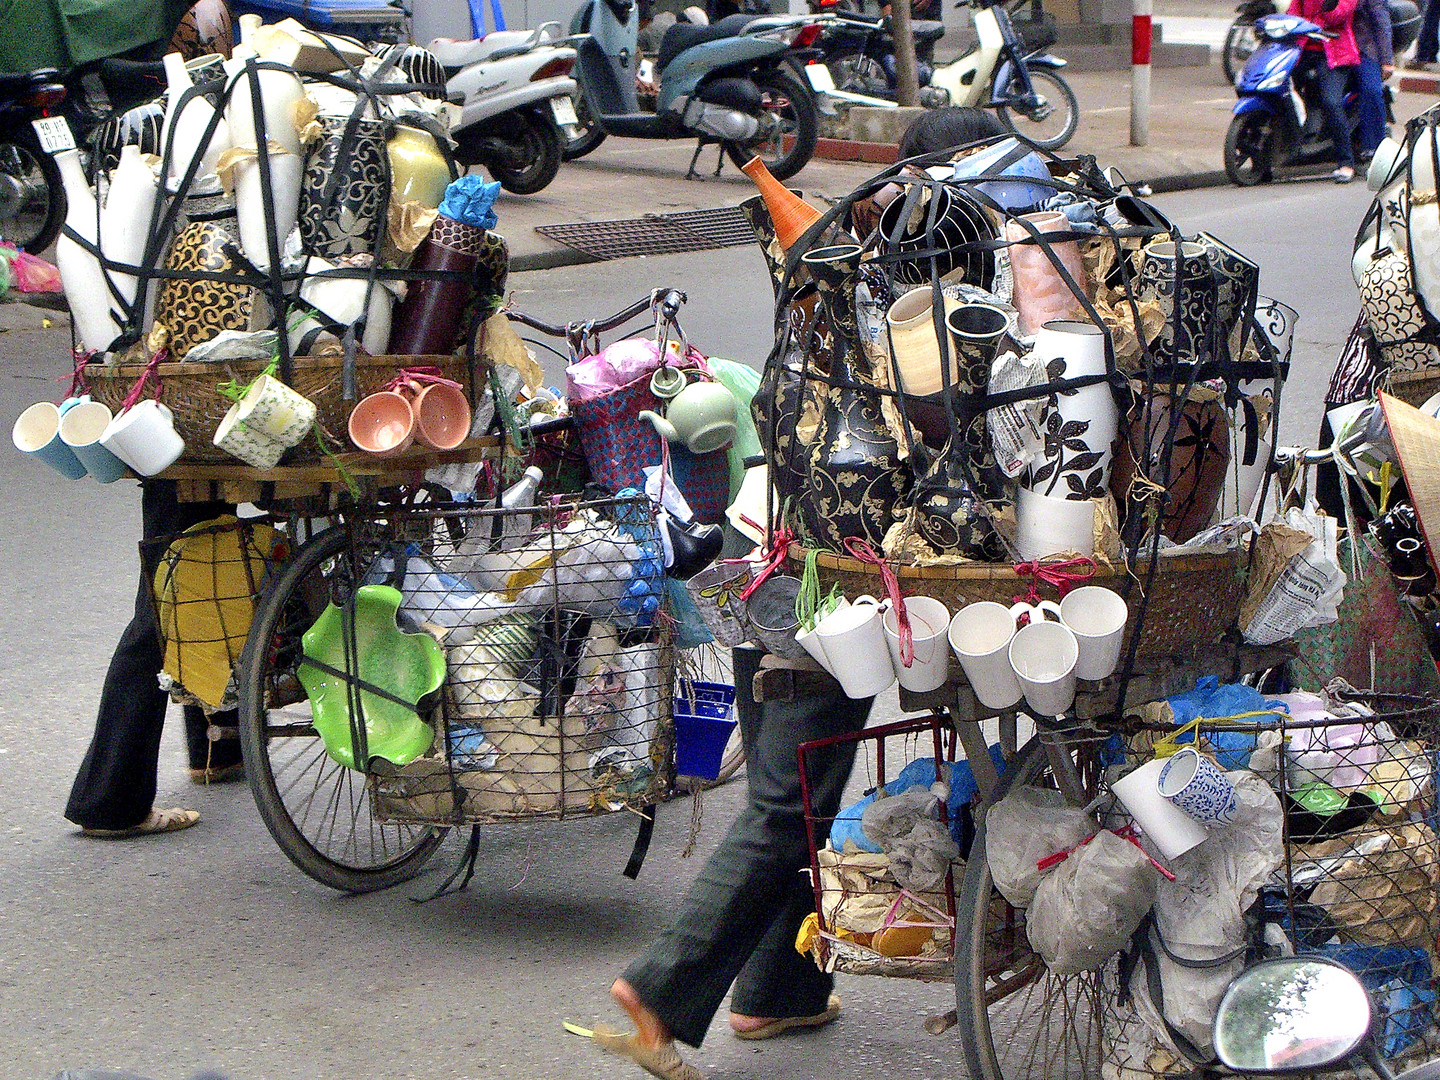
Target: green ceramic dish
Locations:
point(408, 666)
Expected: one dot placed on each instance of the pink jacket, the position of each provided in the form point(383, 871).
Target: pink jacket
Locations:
point(1342, 52)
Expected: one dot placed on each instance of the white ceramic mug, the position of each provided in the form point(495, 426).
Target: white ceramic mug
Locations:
point(37, 433)
point(1043, 655)
point(809, 640)
point(144, 437)
point(980, 636)
point(929, 624)
point(1037, 612)
point(1169, 828)
point(1096, 615)
point(854, 644)
point(81, 428)
point(276, 411)
point(246, 442)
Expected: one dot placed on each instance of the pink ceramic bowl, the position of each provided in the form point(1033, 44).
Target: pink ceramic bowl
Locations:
point(442, 416)
point(383, 424)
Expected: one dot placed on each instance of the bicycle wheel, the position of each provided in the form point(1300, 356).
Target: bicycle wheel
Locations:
point(1051, 120)
point(1017, 1020)
point(317, 810)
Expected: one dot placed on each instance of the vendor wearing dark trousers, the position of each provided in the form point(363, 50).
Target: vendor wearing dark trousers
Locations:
point(739, 921)
point(114, 792)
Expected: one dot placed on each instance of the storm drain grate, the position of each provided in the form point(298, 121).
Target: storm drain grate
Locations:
point(654, 234)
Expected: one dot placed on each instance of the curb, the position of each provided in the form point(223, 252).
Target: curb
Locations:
point(549, 260)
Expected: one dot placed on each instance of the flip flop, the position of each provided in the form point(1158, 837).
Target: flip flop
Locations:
point(664, 1062)
point(157, 821)
point(789, 1023)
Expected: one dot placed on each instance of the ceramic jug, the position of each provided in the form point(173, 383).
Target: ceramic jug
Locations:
point(185, 129)
point(80, 273)
point(855, 475)
point(950, 516)
point(778, 405)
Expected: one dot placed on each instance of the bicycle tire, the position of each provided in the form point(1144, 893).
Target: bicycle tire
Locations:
point(978, 949)
point(271, 649)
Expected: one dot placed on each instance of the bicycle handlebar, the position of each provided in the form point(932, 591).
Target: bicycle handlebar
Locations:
point(665, 302)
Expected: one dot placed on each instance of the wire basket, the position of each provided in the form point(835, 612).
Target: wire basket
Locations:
point(1359, 875)
point(559, 673)
point(867, 921)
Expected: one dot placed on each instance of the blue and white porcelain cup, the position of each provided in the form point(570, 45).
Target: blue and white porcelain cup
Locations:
point(1196, 785)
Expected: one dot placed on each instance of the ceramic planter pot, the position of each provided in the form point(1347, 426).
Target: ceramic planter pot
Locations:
point(140, 127)
point(915, 342)
point(383, 424)
point(343, 192)
point(1080, 424)
point(196, 311)
point(1199, 461)
point(777, 405)
point(1041, 294)
point(941, 222)
point(416, 65)
point(1183, 283)
point(1393, 312)
point(1237, 287)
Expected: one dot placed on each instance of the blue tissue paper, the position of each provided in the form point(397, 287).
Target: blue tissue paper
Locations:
point(471, 199)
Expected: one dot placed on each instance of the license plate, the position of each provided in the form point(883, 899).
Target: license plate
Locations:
point(564, 111)
point(54, 134)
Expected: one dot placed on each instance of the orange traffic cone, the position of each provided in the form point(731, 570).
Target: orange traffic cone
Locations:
point(791, 214)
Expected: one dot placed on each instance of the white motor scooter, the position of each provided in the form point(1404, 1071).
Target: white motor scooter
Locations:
point(515, 94)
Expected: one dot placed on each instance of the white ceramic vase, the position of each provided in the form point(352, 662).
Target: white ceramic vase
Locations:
point(287, 173)
point(1082, 425)
point(128, 216)
point(86, 290)
point(189, 127)
point(280, 93)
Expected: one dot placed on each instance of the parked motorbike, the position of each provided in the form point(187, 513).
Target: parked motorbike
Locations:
point(859, 52)
point(733, 82)
point(1278, 121)
point(1240, 39)
point(515, 91)
point(1301, 1015)
point(32, 200)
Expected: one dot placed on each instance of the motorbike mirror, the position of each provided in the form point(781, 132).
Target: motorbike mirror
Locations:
point(1294, 1014)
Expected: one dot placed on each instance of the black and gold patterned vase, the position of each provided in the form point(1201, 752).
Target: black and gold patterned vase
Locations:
point(855, 475)
point(778, 401)
point(950, 516)
point(343, 194)
point(196, 311)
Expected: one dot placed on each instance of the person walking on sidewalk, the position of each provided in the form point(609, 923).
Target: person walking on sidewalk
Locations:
point(1375, 42)
point(739, 921)
point(1427, 44)
point(1333, 62)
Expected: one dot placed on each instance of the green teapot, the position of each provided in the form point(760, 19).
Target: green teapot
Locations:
point(701, 417)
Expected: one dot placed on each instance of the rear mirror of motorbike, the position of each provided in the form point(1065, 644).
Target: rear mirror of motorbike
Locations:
point(1291, 1015)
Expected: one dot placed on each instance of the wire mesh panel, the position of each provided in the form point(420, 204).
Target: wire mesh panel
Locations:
point(558, 672)
point(884, 886)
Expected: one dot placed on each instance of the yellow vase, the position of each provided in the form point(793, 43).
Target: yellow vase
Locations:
point(417, 168)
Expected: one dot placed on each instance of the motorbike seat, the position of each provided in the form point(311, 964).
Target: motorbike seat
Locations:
point(14, 83)
point(459, 54)
point(927, 30)
point(684, 36)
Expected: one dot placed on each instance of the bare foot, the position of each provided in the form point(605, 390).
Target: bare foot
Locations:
point(740, 1023)
point(650, 1030)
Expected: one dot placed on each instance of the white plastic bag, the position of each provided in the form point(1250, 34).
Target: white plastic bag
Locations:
point(1087, 908)
point(1026, 826)
point(908, 829)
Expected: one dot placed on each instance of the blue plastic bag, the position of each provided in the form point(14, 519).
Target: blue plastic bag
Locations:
point(471, 199)
point(1210, 700)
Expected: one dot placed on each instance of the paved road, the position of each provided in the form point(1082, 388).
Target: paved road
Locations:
point(210, 949)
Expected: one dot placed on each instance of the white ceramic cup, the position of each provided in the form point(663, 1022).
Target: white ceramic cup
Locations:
point(81, 429)
point(929, 624)
point(854, 644)
point(1043, 655)
point(144, 437)
point(809, 640)
point(980, 636)
point(1169, 828)
point(37, 433)
point(1045, 525)
point(1096, 616)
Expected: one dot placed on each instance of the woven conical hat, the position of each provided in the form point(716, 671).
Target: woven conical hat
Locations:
point(1417, 445)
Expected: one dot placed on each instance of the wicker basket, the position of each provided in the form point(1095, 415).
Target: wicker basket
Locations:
point(1415, 387)
point(191, 391)
point(1194, 599)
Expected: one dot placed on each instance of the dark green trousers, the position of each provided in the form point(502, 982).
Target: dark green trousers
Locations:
point(739, 921)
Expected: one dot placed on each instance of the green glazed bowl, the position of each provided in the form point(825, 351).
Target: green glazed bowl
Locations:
point(407, 666)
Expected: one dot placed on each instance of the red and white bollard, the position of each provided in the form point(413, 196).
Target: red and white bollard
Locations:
point(1140, 35)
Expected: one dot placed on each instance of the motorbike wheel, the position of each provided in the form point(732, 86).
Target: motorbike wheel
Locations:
point(789, 104)
point(532, 153)
point(859, 74)
point(588, 134)
point(32, 196)
point(1250, 150)
point(1051, 124)
point(1240, 45)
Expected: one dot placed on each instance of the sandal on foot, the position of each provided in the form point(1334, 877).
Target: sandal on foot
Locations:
point(789, 1023)
point(219, 774)
point(663, 1062)
point(157, 821)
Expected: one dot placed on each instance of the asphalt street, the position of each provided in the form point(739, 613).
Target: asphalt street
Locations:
point(209, 949)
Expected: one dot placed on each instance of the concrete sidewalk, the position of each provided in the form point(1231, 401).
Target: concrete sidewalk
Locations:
point(628, 178)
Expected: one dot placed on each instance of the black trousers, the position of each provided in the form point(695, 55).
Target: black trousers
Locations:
point(115, 787)
point(739, 921)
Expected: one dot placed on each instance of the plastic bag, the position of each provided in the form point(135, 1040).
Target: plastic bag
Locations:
point(618, 364)
point(846, 829)
point(1087, 908)
point(1026, 826)
point(32, 274)
point(908, 829)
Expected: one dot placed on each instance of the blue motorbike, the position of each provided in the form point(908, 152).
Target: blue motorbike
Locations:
point(1278, 122)
point(735, 83)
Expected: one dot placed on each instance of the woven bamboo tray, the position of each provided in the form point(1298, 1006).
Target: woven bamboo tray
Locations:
point(1194, 599)
point(192, 392)
point(1415, 387)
